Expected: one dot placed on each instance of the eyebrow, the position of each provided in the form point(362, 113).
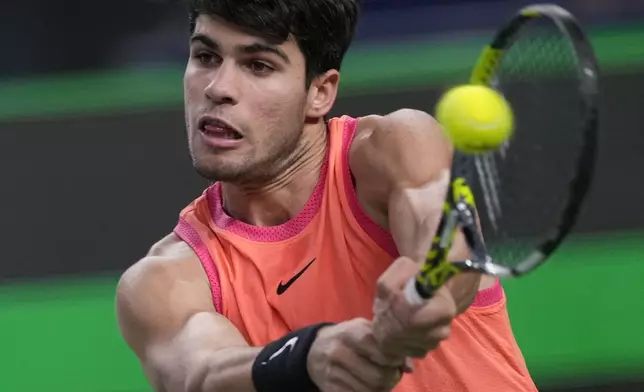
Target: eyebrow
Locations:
point(254, 48)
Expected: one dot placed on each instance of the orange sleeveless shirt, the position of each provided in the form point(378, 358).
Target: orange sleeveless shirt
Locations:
point(323, 265)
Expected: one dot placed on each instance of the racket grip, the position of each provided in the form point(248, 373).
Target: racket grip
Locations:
point(411, 293)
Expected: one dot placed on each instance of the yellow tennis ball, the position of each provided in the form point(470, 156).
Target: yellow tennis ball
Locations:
point(476, 118)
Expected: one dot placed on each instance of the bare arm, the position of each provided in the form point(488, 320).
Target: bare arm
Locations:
point(401, 163)
point(166, 316)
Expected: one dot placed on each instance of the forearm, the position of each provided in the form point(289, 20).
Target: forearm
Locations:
point(280, 365)
point(414, 214)
point(228, 369)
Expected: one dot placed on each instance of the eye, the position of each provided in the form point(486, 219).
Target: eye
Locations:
point(260, 67)
point(206, 58)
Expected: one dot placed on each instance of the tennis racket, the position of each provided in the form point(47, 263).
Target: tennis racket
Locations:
point(532, 188)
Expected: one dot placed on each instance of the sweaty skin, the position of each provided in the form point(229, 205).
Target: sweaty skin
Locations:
point(399, 162)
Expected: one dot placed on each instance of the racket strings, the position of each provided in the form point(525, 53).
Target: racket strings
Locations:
point(521, 187)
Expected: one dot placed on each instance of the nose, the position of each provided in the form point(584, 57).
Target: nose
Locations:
point(222, 88)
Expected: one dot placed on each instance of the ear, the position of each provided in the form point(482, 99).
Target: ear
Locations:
point(322, 94)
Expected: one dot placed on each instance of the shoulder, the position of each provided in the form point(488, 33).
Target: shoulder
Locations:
point(172, 247)
point(168, 259)
point(170, 256)
point(397, 137)
point(171, 272)
point(405, 120)
point(403, 148)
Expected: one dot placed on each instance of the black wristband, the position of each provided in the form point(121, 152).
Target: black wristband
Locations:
point(282, 364)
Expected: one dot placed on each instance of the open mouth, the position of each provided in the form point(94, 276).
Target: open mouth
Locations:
point(218, 129)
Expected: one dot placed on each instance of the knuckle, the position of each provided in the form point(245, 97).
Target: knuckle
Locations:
point(362, 322)
point(334, 351)
point(363, 336)
point(357, 324)
point(360, 329)
point(383, 289)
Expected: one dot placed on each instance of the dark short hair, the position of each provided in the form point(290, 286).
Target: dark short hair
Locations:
point(323, 29)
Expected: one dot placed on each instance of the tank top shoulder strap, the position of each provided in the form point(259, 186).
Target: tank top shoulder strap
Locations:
point(193, 229)
point(342, 133)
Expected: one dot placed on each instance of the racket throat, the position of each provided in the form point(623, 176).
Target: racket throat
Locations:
point(466, 218)
point(449, 230)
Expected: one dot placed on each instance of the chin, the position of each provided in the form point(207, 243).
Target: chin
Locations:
point(220, 171)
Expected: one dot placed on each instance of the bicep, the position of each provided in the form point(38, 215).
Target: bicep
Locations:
point(404, 150)
point(168, 320)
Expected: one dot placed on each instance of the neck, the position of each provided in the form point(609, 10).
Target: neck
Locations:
point(281, 199)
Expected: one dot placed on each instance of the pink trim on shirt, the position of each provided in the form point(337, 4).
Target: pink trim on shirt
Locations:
point(377, 233)
point(188, 234)
point(489, 296)
point(277, 233)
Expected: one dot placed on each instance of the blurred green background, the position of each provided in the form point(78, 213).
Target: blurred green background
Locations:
point(96, 169)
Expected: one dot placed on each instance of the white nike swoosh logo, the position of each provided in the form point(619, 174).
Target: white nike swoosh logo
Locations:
point(289, 345)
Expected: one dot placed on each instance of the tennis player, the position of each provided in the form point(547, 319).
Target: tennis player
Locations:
point(287, 273)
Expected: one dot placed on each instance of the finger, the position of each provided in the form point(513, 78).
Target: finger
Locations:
point(393, 315)
point(437, 311)
point(370, 374)
point(378, 378)
point(395, 277)
point(365, 345)
point(341, 379)
point(413, 349)
point(420, 344)
point(420, 336)
point(418, 351)
point(386, 324)
point(426, 327)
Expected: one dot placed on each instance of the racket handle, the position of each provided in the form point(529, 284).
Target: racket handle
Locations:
point(411, 293)
point(417, 293)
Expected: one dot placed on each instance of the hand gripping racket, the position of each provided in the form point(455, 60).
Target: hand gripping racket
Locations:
point(533, 187)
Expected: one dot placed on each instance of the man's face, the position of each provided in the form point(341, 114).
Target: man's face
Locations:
point(245, 101)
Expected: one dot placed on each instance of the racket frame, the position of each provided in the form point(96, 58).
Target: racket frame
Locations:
point(460, 208)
